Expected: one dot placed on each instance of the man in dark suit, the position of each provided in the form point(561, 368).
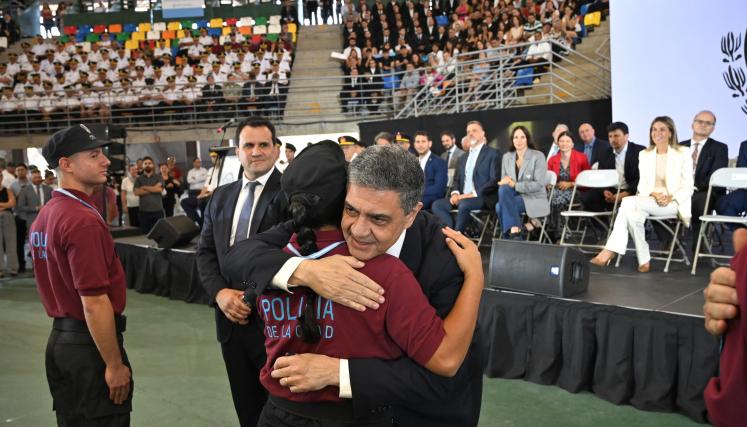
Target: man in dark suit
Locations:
point(476, 171)
point(32, 197)
point(708, 156)
point(625, 157)
point(433, 167)
point(451, 155)
point(597, 151)
point(735, 203)
point(235, 211)
point(352, 92)
point(419, 397)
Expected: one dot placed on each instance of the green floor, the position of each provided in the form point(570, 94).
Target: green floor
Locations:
point(180, 380)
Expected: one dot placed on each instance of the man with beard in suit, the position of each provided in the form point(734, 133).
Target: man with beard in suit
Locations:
point(235, 211)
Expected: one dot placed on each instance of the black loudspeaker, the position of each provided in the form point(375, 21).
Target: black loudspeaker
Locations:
point(173, 231)
point(538, 269)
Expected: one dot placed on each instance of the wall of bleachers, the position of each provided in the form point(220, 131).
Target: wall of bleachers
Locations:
point(185, 71)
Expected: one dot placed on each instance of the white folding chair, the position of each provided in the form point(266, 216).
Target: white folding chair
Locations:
point(552, 180)
point(667, 254)
point(735, 178)
point(604, 178)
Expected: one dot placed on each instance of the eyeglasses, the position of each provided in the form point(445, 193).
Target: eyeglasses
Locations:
point(704, 122)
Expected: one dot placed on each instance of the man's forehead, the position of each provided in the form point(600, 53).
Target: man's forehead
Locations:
point(385, 202)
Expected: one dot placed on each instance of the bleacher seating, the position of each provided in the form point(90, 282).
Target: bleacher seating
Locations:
point(428, 34)
point(249, 61)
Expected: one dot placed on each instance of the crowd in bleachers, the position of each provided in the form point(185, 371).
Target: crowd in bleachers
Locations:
point(115, 72)
point(424, 41)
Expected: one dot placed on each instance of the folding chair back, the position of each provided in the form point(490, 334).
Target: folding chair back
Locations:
point(551, 181)
point(600, 178)
point(728, 177)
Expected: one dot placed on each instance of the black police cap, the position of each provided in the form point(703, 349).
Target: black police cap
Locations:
point(66, 142)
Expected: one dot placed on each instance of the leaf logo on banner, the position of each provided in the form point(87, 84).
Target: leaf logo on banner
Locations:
point(734, 76)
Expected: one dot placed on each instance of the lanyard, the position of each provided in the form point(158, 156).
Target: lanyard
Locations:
point(73, 196)
point(317, 254)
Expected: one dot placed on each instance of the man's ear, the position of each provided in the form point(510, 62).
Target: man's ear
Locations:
point(410, 217)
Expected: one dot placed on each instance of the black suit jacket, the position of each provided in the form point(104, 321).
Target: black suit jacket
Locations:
point(630, 169)
point(713, 156)
point(601, 153)
point(420, 397)
point(215, 240)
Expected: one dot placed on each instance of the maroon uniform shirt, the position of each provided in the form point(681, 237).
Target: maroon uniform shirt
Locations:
point(405, 325)
point(74, 256)
point(726, 395)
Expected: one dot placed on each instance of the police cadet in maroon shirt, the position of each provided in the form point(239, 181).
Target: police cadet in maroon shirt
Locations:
point(82, 286)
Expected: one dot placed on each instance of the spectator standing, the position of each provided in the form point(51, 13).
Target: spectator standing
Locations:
point(9, 28)
point(21, 181)
point(148, 187)
point(8, 177)
point(196, 177)
point(130, 200)
point(8, 230)
point(47, 18)
point(172, 189)
point(32, 198)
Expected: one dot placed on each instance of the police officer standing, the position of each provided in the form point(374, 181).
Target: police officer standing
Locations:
point(82, 286)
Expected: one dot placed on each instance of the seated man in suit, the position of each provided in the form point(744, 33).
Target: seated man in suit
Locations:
point(708, 156)
point(599, 154)
point(735, 203)
point(32, 197)
point(625, 154)
point(235, 211)
point(475, 172)
point(433, 167)
point(451, 154)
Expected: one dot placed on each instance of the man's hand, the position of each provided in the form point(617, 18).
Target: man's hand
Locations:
point(721, 303)
point(118, 380)
point(337, 279)
point(465, 251)
point(307, 372)
point(454, 199)
point(232, 305)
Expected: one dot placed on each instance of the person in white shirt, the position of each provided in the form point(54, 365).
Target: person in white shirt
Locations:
point(8, 178)
point(47, 102)
point(69, 103)
point(40, 47)
point(196, 177)
point(205, 39)
point(13, 66)
point(130, 201)
point(89, 102)
point(540, 51)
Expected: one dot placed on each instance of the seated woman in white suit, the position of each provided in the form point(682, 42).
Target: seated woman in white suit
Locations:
point(665, 188)
point(522, 187)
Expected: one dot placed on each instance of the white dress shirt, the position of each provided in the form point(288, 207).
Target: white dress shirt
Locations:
point(424, 160)
point(196, 178)
point(262, 180)
point(620, 165)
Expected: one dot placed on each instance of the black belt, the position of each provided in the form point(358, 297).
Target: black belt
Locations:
point(338, 411)
point(68, 324)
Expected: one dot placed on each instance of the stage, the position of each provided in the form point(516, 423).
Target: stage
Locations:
point(632, 338)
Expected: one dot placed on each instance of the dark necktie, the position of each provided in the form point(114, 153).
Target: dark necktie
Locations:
point(695, 155)
point(242, 229)
point(448, 158)
point(39, 195)
point(587, 152)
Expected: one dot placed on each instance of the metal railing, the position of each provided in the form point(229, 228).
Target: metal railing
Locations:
point(499, 80)
point(505, 79)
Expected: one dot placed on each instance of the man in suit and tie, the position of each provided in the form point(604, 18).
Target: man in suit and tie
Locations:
point(419, 397)
point(32, 197)
point(433, 167)
point(708, 156)
point(475, 172)
point(451, 154)
point(235, 211)
point(625, 154)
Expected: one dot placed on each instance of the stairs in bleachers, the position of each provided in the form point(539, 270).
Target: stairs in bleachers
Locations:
point(316, 83)
point(571, 75)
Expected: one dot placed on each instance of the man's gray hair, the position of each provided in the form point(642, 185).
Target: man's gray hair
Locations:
point(389, 167)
